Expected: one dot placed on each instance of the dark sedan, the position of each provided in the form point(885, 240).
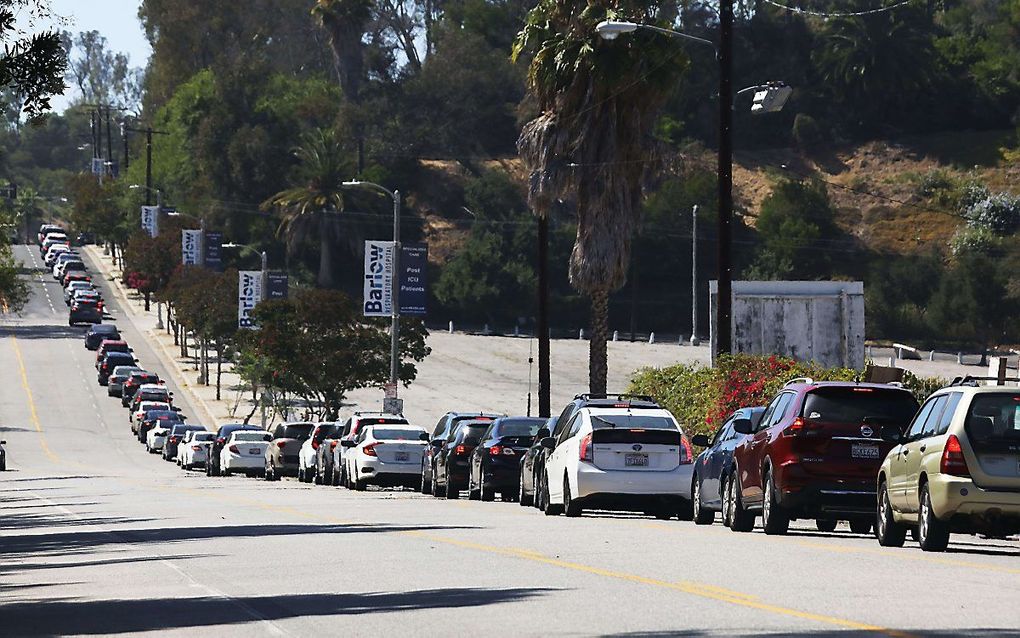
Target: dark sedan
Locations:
point(451, 473)
point(527, 492)
point(111, 361)
point(132, 383)
point(154, 418)
point(495, 463)
point(715, 463)
point(99, 332)
point(212, 464)
point(85, 311)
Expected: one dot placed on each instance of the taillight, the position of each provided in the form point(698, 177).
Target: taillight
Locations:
point(196, 447)
point(953, 461)
point(794, 428)
point(233, 448)
point(315, 445)
point(332, 444)
point(461, 449)
point(495, 450)
point(175, 439)
point(221, 440)
point(585, 451)
point(369, 449)
point(686, 454)
point(281, 444)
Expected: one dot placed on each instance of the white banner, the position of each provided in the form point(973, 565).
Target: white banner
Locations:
point(191, 247)
point(249, 293)
point(150, 220)
point(378, 300)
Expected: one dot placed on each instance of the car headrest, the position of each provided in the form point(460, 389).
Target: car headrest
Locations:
point(981, 427)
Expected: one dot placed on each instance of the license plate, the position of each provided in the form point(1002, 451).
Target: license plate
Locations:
point(402, 456)
point(636, 460)
point(864, 451)
point(254, 451)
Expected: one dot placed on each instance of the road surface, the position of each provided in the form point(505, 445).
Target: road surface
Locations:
point(97, 537)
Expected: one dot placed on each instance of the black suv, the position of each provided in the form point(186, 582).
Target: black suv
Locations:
point(85, 311)
point(99, 332)
point(632, 401)
point(212, 464)
point(440, 435)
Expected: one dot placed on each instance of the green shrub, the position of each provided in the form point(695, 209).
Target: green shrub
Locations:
point(807, 132)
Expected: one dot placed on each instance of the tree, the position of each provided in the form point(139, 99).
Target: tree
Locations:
point(317, 197)
point(32, 65)
point(149, 262)
point(795, 218)
point(973, 304)
point(592, 141)
point(316, 345)
point(102, 76)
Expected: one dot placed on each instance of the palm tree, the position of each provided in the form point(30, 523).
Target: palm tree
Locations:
point(592, 142)
point(312, 204)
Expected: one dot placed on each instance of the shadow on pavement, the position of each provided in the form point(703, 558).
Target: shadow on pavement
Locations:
point(42, 332)
point(13, 568)
point(91, 617)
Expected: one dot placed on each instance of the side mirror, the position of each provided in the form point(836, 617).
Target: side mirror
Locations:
point(743, 426)
point(541, 434)
point(892, 434)
point(3, 442)
point(175, 409)
point(438, 442)
point(548, 442)
point(424, 436)
point(347, 443)
point(701, 440)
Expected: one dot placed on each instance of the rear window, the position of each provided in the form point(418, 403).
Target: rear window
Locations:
point(993, 422)
point(297, 431)
point(518, 427)
point(203, 436)
point(471, 434)
point(251, 436)
point(853, 405)
point(634, 428)
point(632, 421)
point(396, 435)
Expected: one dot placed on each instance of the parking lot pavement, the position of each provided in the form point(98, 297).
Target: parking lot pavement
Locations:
point(97, 537)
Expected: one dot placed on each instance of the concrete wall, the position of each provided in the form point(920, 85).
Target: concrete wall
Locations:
point(820, 321)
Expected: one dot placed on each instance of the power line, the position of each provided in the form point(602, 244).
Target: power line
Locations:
point(849, 14)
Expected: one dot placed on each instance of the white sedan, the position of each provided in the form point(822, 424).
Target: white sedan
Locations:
point(245, 451)
point(139, 415)
point(387, 455)
point(194, 449)
point(155, 439)
point(621, 459)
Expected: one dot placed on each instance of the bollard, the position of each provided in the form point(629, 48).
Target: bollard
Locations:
point(485, 330)
point(931, 356)
point(616, 335)
point(580, 333)
point(959, 358)
point(651, 337)
point(868, 355)
point(450, 329)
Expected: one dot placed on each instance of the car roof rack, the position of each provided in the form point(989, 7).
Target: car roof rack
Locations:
point(614, 396)
point(808, 380)
point(969, 380)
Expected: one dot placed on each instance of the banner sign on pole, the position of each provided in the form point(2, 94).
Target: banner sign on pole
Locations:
point(211, 245)
point(150, 220)
point(413, 284)
point(191, 247)
point(378, 288)
point(276, 285)
point(98, 166)
point(249, 293)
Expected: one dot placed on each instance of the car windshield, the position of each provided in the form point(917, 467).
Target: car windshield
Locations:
point(103, 329)
point(250, 436)
point(631, 422)
point(471, 433)
point(994, 420)
point(518, 427)
point(395, 434)
point(851, 405)
point(297, 431)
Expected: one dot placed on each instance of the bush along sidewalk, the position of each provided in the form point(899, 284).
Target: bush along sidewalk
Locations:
point(701, 397)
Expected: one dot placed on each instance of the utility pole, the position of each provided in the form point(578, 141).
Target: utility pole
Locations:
point(109, 138)
point(694, 276)
point(148, 167)
point(724, 301)
point(543, 317)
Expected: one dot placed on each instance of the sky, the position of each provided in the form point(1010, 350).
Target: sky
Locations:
point(117, 20)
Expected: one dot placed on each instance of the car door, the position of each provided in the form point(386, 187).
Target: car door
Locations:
point(756, 447)
point(710, 485)
point(556, 463)
point(896, 481)
point(914, 449)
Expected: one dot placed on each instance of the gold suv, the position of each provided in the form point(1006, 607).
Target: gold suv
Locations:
point(955, 469)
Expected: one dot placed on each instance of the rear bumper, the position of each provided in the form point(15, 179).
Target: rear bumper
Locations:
point(592, 481)
point(239, 462)
point(830, 498)
point(955, 496)
point(501, 476)
point(375, 468)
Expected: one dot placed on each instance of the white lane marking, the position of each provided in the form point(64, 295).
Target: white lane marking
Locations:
point(273, 628)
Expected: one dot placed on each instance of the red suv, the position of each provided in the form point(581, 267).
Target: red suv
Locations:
point(815, 454)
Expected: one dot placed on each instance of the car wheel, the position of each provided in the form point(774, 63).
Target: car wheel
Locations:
point(359, 486)
point(932, 534)
point(702, 516)
point(523, 499)
point(727, 502)
point(451, 491)
point(860, 526)
point(571, 506)
point(827, 525)
point(267, 473)
point(889, 532)
point(550, 509)
point(426, 485)
point(774, 518)
point(487, 493)
point(741, 520)
point(473, 494)
point(316, 477)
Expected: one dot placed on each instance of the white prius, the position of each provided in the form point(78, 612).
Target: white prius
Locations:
point(620, 459)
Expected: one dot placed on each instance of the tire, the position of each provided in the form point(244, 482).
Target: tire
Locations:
point(932, 534)
point(860, 526)
point(473, 494)
point(267, 473)
point(827, 525)
point(487, 494)
point(426, 485)
point(727, 505)
point(451, 492)
point(359, 486)
point(774, 518)
point(702, 516)
point(549, 508)
point(524, 500)
point(571, 506)
point(887, 530)
point(741, 520)
point(316, 477)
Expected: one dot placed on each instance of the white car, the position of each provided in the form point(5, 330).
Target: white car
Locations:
point(143, 407)
point(350, 431)
point(67, 255)
point(194, 449)
point(155, 439)
point(385, 455)
point(620, 458)
point(54, 251)
point(74, 287)
point(245, 451)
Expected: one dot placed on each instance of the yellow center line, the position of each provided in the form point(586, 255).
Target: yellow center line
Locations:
point(31, 403)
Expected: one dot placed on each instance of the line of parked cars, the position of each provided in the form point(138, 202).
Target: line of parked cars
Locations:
point(84, 301)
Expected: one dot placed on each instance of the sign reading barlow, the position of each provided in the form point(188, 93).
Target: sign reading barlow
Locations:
point(191, 247)
point(150, 220)
point(413, 285)
point(212, 243)
point(249, 293)
point(378, 299)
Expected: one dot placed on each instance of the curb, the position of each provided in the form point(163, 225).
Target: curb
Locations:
point(167, 359)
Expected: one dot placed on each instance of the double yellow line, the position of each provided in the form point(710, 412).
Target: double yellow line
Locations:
point(33, 414)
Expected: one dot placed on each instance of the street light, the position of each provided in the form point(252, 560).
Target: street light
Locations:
point(252, 249)
point(394, 277)
point(770, 100)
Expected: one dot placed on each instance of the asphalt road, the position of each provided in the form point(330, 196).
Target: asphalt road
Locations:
point(98, 537)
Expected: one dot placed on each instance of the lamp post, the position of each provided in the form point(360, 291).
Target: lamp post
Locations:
point(252, 249)
point(610, 30)
point(394, 279)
